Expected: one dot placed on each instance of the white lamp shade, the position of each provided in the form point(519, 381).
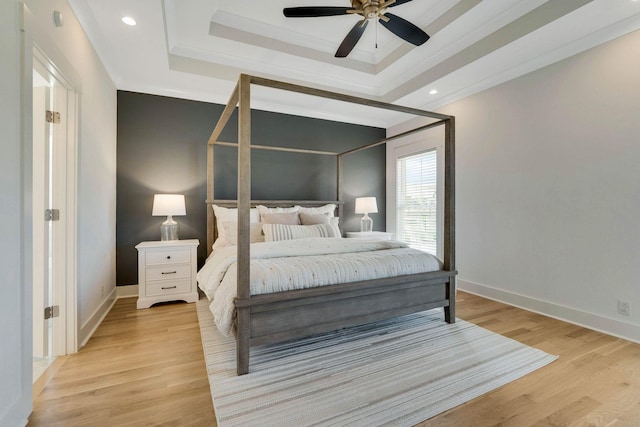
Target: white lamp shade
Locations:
point(366, 205)
point(168, 204)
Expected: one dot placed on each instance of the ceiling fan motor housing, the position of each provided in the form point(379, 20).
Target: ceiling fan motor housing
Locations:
point(371, 9)
point(367, 8)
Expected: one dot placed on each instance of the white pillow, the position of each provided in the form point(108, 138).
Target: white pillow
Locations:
point(231, 233)
point(276, 232)
point(229, 215)
point(264, 210)
point(328, 209)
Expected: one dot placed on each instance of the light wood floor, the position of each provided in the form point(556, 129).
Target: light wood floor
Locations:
point(146, 367)
point(141, 367)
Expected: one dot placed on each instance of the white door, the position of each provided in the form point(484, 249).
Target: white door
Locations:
point(41, 147)
point(50, 101)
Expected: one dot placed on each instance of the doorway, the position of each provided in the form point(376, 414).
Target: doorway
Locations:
point(53, 219)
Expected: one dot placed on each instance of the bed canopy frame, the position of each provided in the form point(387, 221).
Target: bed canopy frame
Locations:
point(264, 319)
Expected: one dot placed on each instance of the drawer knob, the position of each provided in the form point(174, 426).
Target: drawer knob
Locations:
point(169, 272)
point(168, 256)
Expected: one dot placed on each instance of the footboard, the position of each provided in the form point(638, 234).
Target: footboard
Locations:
point(282, 316)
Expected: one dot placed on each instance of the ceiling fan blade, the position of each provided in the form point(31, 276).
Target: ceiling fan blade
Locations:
point(352, 38)
point(404, 29)
point(314, 11)
point(399, 2)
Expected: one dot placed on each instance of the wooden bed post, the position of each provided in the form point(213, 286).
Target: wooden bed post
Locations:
point(450, 215)
point(340, 189)
point(222, 122)
point(210, 186)
point(244, 205)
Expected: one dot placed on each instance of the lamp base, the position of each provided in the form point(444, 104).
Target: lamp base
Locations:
point(169, 229)
point(366, 224)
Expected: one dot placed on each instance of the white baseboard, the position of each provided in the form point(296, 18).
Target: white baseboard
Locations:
point(18, 412)
point(127, 291)
point(617, 328)
point(90, 326)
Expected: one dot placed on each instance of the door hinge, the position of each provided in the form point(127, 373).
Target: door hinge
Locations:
point(53, 117)
point(52, 214)
point(53, 311)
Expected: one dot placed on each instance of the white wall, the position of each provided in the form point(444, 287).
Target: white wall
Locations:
point(548, 188)
point(15, 295)
point(72, 51)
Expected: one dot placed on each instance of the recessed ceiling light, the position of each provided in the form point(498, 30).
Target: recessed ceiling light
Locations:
point(128, 20)
point(433, 92)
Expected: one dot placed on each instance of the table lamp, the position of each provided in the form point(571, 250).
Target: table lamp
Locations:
point(169, 205)
point(366, 205)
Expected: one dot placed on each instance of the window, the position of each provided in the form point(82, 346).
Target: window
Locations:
point(416, 200)
point(415, 189)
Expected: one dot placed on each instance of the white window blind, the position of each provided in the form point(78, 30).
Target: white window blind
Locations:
point(416, 203)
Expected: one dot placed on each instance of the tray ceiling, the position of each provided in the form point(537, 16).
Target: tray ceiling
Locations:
point(196, 49)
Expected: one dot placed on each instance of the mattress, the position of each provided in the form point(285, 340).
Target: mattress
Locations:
point(305, 263)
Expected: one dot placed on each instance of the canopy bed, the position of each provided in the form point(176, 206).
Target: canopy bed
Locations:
point(275, 316)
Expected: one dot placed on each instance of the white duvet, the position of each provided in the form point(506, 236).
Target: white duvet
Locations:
point(305, 263)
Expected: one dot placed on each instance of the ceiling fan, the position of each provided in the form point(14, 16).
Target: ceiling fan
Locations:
point(369, 10)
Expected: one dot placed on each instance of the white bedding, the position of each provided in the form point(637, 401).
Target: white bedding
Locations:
point(305, 263)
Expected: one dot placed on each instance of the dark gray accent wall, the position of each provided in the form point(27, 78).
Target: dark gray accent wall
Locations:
point(162, 149)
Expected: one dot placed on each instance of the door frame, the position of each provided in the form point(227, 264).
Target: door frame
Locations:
point(38, 45)
point(64, 189)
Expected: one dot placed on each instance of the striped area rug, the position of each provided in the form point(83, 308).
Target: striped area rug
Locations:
point(398, 372)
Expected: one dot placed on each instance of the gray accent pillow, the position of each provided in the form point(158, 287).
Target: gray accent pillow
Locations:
point(313, 219)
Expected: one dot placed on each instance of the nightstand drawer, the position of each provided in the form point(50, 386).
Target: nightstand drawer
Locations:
point(170, 256)
point(168, 272)
point(168, 287)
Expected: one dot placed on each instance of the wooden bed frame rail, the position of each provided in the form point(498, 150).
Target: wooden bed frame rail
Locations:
point(264, 319)
point(294, 314)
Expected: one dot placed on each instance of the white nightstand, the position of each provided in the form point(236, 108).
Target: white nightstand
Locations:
point(376, 235)
point(167, 271)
